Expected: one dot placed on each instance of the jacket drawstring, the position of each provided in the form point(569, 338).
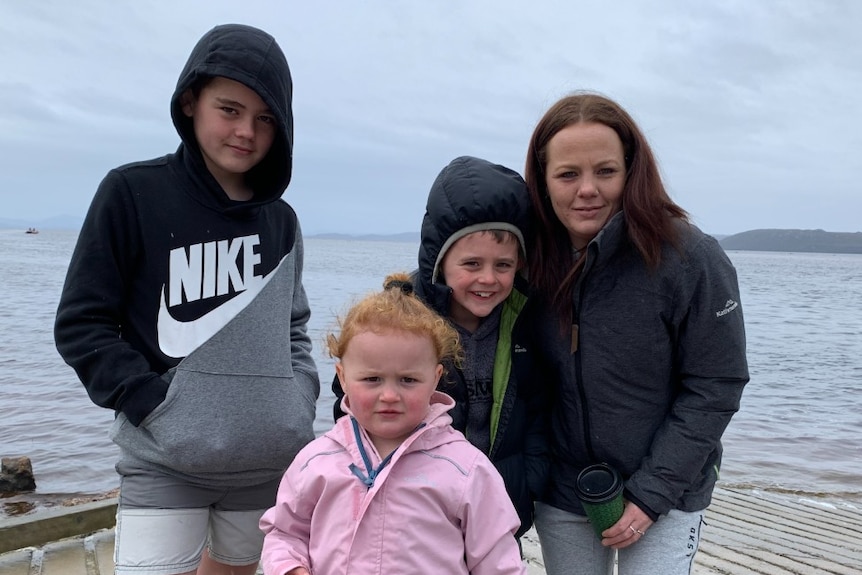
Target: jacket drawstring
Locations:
point(368, 480)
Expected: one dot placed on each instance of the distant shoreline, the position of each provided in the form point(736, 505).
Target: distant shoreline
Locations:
point(762, 240)
point(801, 241)
point(791, 241)
point(412, 237)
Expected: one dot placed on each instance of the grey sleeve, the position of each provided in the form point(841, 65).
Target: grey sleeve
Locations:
point(300, 343)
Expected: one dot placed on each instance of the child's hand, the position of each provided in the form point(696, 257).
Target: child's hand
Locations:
point(298, 571)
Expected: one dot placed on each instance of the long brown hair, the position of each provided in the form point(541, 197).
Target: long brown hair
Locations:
point(648, 210)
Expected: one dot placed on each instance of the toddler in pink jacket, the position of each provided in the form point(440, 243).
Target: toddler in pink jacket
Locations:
point(393, 488)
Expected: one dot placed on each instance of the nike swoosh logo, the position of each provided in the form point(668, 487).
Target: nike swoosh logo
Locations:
point(180, 338)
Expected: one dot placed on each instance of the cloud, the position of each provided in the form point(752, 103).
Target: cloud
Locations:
point(752, 108)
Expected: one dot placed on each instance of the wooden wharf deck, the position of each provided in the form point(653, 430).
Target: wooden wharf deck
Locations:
point(747, 533)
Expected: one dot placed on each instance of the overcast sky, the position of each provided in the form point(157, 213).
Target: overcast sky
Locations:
point(754, 108)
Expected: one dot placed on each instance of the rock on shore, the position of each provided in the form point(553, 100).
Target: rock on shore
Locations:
point(16, 474)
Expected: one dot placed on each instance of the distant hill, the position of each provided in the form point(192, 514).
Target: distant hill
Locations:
point(813, 241)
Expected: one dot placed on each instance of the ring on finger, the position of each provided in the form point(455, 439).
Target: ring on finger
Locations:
point(636, 531)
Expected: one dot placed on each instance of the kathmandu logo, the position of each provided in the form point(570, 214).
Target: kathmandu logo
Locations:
point(728, 307)
point(204, 271)
point(421, 479)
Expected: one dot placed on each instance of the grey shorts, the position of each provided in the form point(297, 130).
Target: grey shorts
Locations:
point(165, 523)
point(146, 488)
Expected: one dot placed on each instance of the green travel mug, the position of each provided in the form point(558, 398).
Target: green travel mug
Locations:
point(600, 489)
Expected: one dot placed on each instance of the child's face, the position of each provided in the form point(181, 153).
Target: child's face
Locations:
point(388, 379)
point(234, 129)
point(480, 270)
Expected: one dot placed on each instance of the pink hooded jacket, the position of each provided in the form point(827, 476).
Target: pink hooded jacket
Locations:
point(438, 506)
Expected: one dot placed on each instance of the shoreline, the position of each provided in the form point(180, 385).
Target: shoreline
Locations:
point(31, 503)
point(746, 533)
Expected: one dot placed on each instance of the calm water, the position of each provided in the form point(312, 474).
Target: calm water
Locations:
point(799, 430)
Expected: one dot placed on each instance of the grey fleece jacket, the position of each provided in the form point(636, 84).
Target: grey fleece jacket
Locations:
point(184, 311)
point(658, 372)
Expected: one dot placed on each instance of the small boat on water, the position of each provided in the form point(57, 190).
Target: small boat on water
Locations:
point(31, 231)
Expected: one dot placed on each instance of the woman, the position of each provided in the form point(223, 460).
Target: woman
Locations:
point(645, 336)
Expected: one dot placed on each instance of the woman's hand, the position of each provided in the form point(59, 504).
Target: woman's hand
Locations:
point(630, 528)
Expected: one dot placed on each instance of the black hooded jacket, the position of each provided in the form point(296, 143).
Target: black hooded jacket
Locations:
point(471, 195)
point(167, 268)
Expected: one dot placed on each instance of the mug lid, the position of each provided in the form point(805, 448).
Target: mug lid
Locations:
point(597, 481)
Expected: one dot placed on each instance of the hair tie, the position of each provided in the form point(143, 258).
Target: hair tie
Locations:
point(405, 286)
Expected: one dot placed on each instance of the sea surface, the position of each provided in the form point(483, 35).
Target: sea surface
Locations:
point(798, 433)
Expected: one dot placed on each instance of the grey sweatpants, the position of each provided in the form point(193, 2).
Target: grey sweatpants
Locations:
point(570, 546)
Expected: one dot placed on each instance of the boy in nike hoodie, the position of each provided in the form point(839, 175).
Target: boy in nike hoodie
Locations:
point(184, 312)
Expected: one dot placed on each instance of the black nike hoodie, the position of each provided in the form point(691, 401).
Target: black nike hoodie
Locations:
point(171, 277)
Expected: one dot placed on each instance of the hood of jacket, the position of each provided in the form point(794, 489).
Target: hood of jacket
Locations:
point(468, 195)
point(252, 57)
point(436, 488)
point(434, 431)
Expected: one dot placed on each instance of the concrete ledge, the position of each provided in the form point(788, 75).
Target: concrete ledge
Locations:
point(55, 524)
point(747, 533)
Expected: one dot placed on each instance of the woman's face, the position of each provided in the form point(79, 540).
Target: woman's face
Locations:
point(585, 176)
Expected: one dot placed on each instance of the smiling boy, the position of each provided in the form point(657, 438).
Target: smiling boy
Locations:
point(472, 248)
point(480, 270)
